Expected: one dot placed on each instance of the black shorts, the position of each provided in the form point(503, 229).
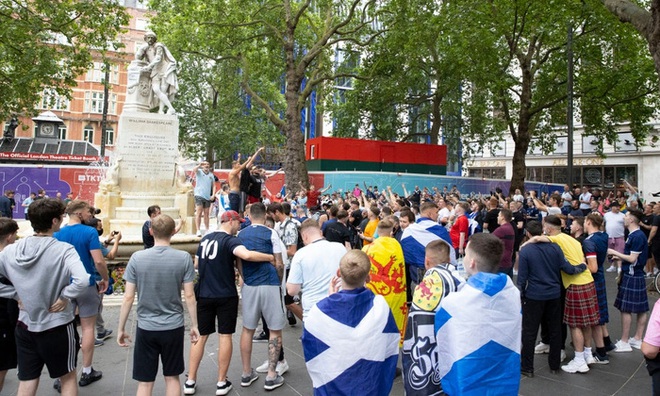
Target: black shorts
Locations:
point(224, 309)
point(149, 345)
point(8, 358)
point(57, 348)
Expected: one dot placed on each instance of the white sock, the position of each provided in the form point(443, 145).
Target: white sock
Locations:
point(579, 357)
point(87, 370)
point(190, 382)
point(587, 353)
point(222, 383)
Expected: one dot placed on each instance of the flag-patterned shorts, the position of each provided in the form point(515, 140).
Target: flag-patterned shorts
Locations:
point(581, 309)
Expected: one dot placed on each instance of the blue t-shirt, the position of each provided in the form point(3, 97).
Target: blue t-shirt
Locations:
point(215, 264)
point(260, 238)
point(596, 243)
point(84, 239)
point(636, 243)
point(204, 184)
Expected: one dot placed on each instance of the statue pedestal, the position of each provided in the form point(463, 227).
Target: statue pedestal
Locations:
point(144, 173)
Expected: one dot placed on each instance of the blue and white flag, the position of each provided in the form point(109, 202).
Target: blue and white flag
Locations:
point(478, 332)
point(415, 238)
point(351, 344)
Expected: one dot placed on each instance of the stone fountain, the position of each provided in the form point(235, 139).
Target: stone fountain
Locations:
point(145, 169)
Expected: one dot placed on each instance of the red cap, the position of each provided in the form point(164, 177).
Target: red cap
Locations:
point(230, 215)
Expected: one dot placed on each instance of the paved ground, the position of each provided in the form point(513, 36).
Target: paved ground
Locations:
point(625, 375)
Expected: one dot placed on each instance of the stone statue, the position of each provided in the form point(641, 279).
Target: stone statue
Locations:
point(162, 69)
point(183, 185)
point(111, 181)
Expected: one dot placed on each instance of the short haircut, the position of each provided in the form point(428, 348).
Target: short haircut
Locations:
point(374, 209)
point(506, 214)
point(309, 224)
point(636, 215)
point(534, 227)
point(7, 227)
point(464, 206)
point(286, 207)
point(401, 202)
point(42, 212)
point(438, 251)
point(162, 226)
point(152, 209)
point(579, 220)
point(275, 207)
point(354, 268)
point(494, 202)
point(258, 211)
point(427, 206)
point(393, 219)
point(342, 214)
point(334, 209)
point(76, 205)
point(596, 219)
point(386, 211)
point(487, 251)
point(553, 221)
point(407, 213)
point(384, 225)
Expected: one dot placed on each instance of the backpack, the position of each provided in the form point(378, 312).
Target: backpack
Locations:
point(299, 243)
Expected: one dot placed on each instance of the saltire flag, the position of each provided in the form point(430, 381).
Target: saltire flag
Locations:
point(351, 344)
point(478, 331)
point(388, 277)
point(415, 238)
point(419, 355)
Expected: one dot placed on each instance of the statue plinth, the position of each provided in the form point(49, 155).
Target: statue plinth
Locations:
point(139, 92)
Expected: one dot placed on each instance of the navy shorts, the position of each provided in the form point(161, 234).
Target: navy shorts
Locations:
point(149, 345)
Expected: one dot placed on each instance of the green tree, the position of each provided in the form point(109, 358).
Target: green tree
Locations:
point(519, 68)
point(47, 44)
point(282, 48)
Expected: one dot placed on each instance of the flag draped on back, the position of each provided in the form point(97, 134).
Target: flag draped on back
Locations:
point(478, 334)
point(351, 344)
point(415, 238)
point(388, 277)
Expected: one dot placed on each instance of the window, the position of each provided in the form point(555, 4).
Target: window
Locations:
point(61, 133)
point(51, 100)
point(97, 73)
point(94, 102)
point(109, 136)
point(625, 142)
point(88, 134)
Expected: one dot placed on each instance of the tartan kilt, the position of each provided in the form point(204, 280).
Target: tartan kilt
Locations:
point(631, 296)
point(581, 308)
point(601, 294)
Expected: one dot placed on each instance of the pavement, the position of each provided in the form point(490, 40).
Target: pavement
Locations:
point(625, 375)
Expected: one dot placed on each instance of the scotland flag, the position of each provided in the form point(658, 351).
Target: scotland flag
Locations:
point(414, 240)
point(351, 344)
point(478, 334)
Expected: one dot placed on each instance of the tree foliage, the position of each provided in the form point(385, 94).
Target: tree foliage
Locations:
point(48, 43)
point(283, 50)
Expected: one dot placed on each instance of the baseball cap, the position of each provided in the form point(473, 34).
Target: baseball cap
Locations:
point(230, 215)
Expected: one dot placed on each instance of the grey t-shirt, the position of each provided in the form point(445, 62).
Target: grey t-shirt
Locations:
point(159, 273)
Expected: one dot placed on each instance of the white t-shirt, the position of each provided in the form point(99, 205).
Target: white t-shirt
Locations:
point(313, 267)
point(443, 213)
point(585, 197)
point(614, 226)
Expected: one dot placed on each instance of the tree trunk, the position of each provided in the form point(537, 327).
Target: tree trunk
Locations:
point(295, 167)
point(436, 122)
point(519, 166)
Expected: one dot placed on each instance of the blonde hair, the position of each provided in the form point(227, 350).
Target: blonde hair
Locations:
point(354, 268)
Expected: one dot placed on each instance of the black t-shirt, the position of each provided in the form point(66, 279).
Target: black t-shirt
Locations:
point(491, 219)
point(647, 220)
point(520, 232)
point(147, 238)
point(656, 223)
point(357, 218)
point(337, 232)
point(216, 265)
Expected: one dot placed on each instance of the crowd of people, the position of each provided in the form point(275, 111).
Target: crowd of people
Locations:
point(396, 275)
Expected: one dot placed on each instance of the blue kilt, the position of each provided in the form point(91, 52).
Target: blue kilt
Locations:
point(631, 296)
point(601, 294)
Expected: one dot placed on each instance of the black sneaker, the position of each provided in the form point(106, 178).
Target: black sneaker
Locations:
point(189, 389)
point(224, 389)
point(261, 337)
point(598, 359)
point(274, 383)
point(104, 336)
point(247, 380)
point(57, 385)
point(291, 317)
point(86, 379)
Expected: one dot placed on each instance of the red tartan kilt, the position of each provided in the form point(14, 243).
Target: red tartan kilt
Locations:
point(581, 308)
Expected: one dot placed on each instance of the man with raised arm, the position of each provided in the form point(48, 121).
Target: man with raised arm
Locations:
point(234, 181)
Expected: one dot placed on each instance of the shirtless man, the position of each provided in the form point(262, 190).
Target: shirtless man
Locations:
point(234, 181)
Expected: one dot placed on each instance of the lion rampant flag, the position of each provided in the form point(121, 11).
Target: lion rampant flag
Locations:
point(388, 277)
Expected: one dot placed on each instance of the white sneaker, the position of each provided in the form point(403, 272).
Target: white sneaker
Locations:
point(542, 348)
point(635, 343)
point(589, 359)
point(575, 367)
point(612, 268)
point(562, 356)
point(199, 233)
point(622, 346)
point(282, 367)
